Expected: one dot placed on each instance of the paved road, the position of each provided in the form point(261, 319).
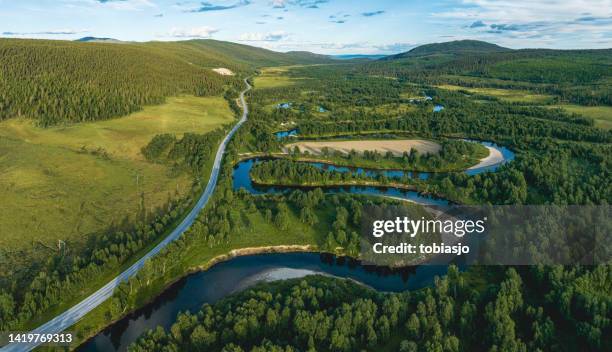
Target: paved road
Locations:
point(74, 314)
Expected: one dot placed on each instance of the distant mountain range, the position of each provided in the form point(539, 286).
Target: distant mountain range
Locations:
point(447, 48)
point(454, 47)
point(357, 57)
point(99, 40)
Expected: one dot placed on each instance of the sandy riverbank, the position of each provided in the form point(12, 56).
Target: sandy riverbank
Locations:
point(495, 157)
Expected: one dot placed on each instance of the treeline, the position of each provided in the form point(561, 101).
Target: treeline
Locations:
point(344, 87)
point(192, 150)
point(560, 159)
point(256, 135)
point(65, 273)
point(462, 116)
point(288, 172)
point(577, 76)
point(227, 215)
point(57, 82)
point(523, 309)
point(552, 172)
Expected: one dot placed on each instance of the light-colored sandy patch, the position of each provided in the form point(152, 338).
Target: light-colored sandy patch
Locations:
point(395, 146)
point(495, 157)
point(223, 71)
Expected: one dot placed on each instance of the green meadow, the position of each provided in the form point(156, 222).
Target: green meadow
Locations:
point(510, 95)
point(601, 114)
point(122, 138)
point(68, 182)
point(274, 77)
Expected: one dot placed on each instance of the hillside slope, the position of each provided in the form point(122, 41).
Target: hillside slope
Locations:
point(454, 47)
point(576, 76)
point(56, 82)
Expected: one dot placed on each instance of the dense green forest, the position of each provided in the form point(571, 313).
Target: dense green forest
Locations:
point(577, 76)
point(57, 82)
point(458, 47)
point(561, 158)
point(523, 309)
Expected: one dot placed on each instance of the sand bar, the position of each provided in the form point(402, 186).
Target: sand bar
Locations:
point(395, 146)
point(495, 157)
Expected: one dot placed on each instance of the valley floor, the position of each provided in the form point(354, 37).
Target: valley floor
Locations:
point(69, 182)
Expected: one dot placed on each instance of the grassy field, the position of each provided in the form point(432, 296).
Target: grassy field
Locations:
point(122, 138)
point(510, 95)
point(274, 77)
point(601, 114)
point(64, 183)
point(384, 109)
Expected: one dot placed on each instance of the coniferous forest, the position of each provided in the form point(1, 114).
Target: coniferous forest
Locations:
point(454, 94)
point(561, 158)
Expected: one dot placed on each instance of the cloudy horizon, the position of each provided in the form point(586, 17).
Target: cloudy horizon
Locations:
point(321, 26)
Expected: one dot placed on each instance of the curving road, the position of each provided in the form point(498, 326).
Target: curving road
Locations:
point(74, 314)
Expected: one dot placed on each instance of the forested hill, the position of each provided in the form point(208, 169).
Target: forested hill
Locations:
point(240, 54)
point(60, 81)
point(576, 76)
point(454, 47)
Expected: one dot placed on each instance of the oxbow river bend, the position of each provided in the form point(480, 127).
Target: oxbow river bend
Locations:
point(237, 274)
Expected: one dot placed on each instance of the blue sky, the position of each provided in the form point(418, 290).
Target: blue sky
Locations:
point(322, 26)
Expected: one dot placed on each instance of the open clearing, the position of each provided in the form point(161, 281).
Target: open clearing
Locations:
point(601, 114)
point(51, 188)
point(223, 71)
point(510, 95)
point(274, 77)
point(383, 109)
point(395, 146)
point(124, 137)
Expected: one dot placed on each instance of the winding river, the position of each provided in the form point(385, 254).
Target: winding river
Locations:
point(191, 292)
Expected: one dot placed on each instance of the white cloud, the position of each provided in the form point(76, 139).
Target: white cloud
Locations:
point(395, 48)
point(197, 32)
point(312, 4)
point(333, 48)
point(528, 23)
point(524, 11)
point(52, 32)
point(129, 5)
point(264, 37)
point(279, 3)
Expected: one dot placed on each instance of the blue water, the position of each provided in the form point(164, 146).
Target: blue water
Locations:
point(284, 134)
point(241, 179)
point(392, 174)
point(235, 275)
point(506, 153)
point(438, 108)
